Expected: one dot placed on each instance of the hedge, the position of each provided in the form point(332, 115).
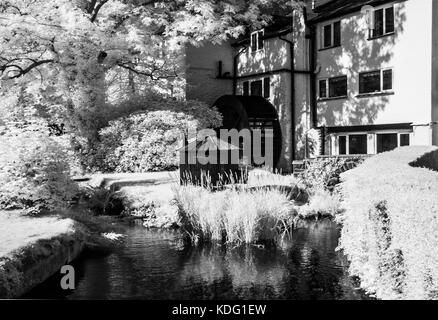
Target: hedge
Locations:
point(390, 224)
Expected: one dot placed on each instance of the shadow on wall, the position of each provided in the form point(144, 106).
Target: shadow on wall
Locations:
point(357, 54)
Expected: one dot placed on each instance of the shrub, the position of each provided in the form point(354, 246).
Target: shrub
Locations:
point(323, 173)
point(34, 169)
point(322, 203)
point(390, 224)
point(148, 141)
point(232, 216)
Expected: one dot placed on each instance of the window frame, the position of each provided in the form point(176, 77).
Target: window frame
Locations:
point(374, 134)
point(399, 134)
point(327, 88)
point(264, 82)
point(257, 40)
point(382, 90)
point(371, 35)
point(332, 35)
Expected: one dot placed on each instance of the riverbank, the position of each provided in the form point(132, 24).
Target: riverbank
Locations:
point(34, 248)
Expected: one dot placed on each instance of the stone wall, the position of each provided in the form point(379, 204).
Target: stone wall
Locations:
point(34, 264)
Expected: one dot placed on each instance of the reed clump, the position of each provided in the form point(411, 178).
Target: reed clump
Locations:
point(234, 216)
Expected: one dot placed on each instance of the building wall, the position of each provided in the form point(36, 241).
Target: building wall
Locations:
point(435, 73)
point(276, 56)
point(408, 52)
point(302, 85)
point(280, 99)
point(202, 71)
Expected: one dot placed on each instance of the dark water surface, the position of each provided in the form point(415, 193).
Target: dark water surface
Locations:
point(153, 264)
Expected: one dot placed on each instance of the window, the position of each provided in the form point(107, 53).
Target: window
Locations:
point(342, 145)
point(261, 88)
point(331, 35)
point(405, 139)
point(257, 88)
point(369, 143)
point(257, 41)
point(387, 79)
point(387, 142)
point(375, 81)
point(246, 88)
point(383, 22)
point(266, 87)
point(358, 144)
point(333, 88)
point(323, 88)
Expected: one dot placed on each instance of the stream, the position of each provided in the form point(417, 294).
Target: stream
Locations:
point(154, 264)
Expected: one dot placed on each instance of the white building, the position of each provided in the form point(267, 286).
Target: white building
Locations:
point(364, 73)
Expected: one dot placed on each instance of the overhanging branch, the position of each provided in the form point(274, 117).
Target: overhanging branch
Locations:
point(18, 71)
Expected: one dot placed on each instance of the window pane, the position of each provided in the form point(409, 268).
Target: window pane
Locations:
point(369, 82)
point(246, 88)
point(389, 25)
point(378, 22)
point(358, 144)
point(338, 87)
point(337, 33)
point(260, 40)
point(267, 87)
point(254, 42)
point(386, 142)
point(323, 88)
point(405, 140)
point(342, 145)
point(387, 79)
point(256, 88)
point(327, 36)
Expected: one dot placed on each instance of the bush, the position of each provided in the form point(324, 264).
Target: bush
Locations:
point(322, 203)
point(148, 141)
point(390, 224)
point(324, 173)
point(246, 216)
point(34, 169)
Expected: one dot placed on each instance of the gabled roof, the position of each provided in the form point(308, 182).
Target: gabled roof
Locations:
point(211, 142)
point(337, 8)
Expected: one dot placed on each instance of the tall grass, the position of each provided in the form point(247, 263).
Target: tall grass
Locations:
point(233, 216)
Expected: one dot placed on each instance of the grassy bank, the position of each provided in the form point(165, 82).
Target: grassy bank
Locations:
point(390, 223)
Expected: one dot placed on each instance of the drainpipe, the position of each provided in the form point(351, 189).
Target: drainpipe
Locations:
point(236, 57)
point(313, 100)
point(312, 67)
point(292, 98)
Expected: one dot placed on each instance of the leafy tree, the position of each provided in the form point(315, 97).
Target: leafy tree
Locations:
point(74, 57)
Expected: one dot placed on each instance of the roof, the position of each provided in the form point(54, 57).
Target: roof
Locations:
point(337, 8)
point(280, 25)
point(211, 142)
point(317, 11)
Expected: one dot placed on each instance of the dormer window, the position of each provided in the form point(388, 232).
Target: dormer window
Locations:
point(331, 35)
point(257, 40)
point(383, 22)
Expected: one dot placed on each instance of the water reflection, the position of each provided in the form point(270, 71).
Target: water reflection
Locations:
point(154, 265)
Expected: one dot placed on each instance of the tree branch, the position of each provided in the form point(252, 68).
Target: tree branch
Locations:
point(20, 71)
point(151, 74)
point(97, 8)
